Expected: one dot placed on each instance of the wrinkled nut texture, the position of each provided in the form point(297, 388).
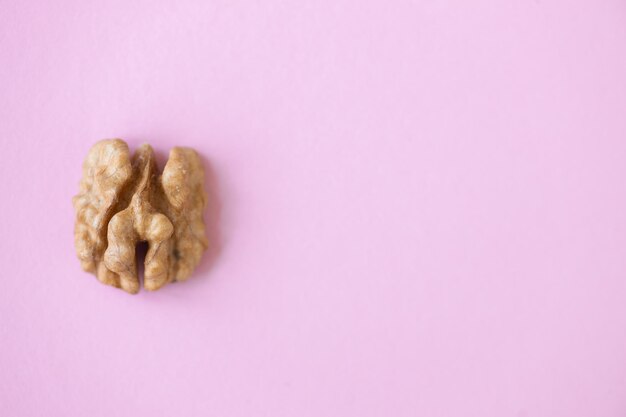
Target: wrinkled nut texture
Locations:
point(124, 201)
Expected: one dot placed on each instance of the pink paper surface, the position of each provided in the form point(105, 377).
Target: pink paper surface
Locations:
point(418, 208)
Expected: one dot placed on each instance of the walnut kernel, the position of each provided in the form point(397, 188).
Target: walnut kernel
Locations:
point(124, 201)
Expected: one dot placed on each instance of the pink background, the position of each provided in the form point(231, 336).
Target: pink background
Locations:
point(423, 208)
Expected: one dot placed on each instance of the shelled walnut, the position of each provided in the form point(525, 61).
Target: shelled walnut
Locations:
point(123, 202)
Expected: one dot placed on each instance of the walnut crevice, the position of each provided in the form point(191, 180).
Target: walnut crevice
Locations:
point(124, 201)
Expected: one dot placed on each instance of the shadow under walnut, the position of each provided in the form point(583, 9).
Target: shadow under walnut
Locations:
point(124, 201)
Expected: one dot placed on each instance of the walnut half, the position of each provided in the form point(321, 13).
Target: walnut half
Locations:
point(124, 201)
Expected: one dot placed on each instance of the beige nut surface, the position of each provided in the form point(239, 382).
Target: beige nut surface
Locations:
point(124, 201)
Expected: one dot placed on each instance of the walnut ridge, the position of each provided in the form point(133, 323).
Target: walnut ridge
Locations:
point(124, 201)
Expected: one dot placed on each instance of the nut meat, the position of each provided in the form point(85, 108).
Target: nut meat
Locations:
point(124, 201)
